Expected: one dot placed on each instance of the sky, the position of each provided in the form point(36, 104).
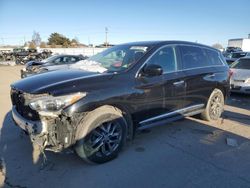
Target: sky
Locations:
point(203, 21)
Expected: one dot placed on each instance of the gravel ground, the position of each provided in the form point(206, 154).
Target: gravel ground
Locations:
point(186, 153)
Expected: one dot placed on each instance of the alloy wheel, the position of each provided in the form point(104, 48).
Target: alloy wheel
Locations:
point(105, 139)
point(216, 106)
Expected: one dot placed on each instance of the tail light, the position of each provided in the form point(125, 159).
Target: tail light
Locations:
point(230, 74)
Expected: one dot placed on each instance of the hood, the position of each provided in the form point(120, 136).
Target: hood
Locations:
point(57, 81)
point(34, 63)
point(240, 74)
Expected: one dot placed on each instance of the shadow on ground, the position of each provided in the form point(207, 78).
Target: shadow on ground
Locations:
point(239, 100)
point(184, 153)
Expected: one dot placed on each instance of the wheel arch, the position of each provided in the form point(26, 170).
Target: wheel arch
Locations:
point(124, 111)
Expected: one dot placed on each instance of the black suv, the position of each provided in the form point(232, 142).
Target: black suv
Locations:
point(97, 107)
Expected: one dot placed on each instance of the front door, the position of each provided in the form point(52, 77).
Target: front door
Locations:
point(164, 94)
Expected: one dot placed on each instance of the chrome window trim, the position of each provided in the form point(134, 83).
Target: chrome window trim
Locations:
point(174, 45)
point(181, 111)
point(167, 45)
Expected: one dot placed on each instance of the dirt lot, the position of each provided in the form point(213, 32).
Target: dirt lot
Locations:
point(187, 153)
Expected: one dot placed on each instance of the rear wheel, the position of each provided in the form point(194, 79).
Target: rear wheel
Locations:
point(215, 106)
point(105, 140)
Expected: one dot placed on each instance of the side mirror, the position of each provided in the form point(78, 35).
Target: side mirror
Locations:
point(152, 70)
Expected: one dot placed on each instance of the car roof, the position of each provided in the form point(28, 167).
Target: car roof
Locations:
point(161, 43)
point(62, 55)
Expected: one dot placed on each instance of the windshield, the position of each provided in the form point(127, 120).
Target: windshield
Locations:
point(115, 59)
point(241, 64)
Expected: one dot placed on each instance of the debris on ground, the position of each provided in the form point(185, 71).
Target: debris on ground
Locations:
point(140, 149)
point(232, 142)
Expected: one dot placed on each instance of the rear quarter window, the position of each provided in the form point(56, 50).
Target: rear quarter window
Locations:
point(214, 57)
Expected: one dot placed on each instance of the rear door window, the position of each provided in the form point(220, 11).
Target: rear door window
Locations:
point(193, 57)
point(58, 61)
point(71, 59)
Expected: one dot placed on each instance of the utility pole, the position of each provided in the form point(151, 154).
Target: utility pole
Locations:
point(106, 36)
point(24, 40)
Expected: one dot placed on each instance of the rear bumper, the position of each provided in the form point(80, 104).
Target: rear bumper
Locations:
point(240, 88)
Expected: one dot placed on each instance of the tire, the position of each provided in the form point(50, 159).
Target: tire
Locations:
point(215, 106)
point(106, 130)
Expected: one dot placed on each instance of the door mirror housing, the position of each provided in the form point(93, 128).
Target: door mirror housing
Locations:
point(152, 70)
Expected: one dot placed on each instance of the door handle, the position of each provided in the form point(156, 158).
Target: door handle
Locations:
point(211, 75)
point(179, 83)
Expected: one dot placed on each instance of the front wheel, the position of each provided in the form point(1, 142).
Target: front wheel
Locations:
point(105, 140)
point(215, 106)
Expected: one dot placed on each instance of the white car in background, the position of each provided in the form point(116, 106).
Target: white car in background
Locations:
point(240, 78)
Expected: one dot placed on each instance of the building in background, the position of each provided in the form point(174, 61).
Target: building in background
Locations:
point(243, 43)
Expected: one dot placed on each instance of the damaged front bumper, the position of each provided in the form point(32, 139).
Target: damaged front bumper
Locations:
point(31, 127)
point(51, 133)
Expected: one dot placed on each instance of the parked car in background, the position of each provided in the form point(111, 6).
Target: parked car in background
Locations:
point(50, 64)
point(240, 79)
point(233, 49)
point(229, 50)
point(134, 85)
point(236, 55)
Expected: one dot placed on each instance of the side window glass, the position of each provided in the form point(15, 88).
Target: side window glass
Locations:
point(166, 58)
point(73, 59)
point(193, 57)
point(58, 60)
point(69, 59)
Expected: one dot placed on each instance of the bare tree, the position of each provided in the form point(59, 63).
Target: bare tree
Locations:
point(36, 38)
point(217, 46)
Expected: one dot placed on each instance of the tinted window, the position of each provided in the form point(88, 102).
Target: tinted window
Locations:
point(213, 57)
point(193, 57)
point(58, 60)
point(241, 64)
point(69, 59)
point(65, 60)
point(166, 58)
point(238, 55)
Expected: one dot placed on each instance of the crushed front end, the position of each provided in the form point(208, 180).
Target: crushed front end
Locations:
point(51, 130)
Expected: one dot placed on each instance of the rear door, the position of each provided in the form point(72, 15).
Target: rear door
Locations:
point(165, 93)
point(200, 74)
